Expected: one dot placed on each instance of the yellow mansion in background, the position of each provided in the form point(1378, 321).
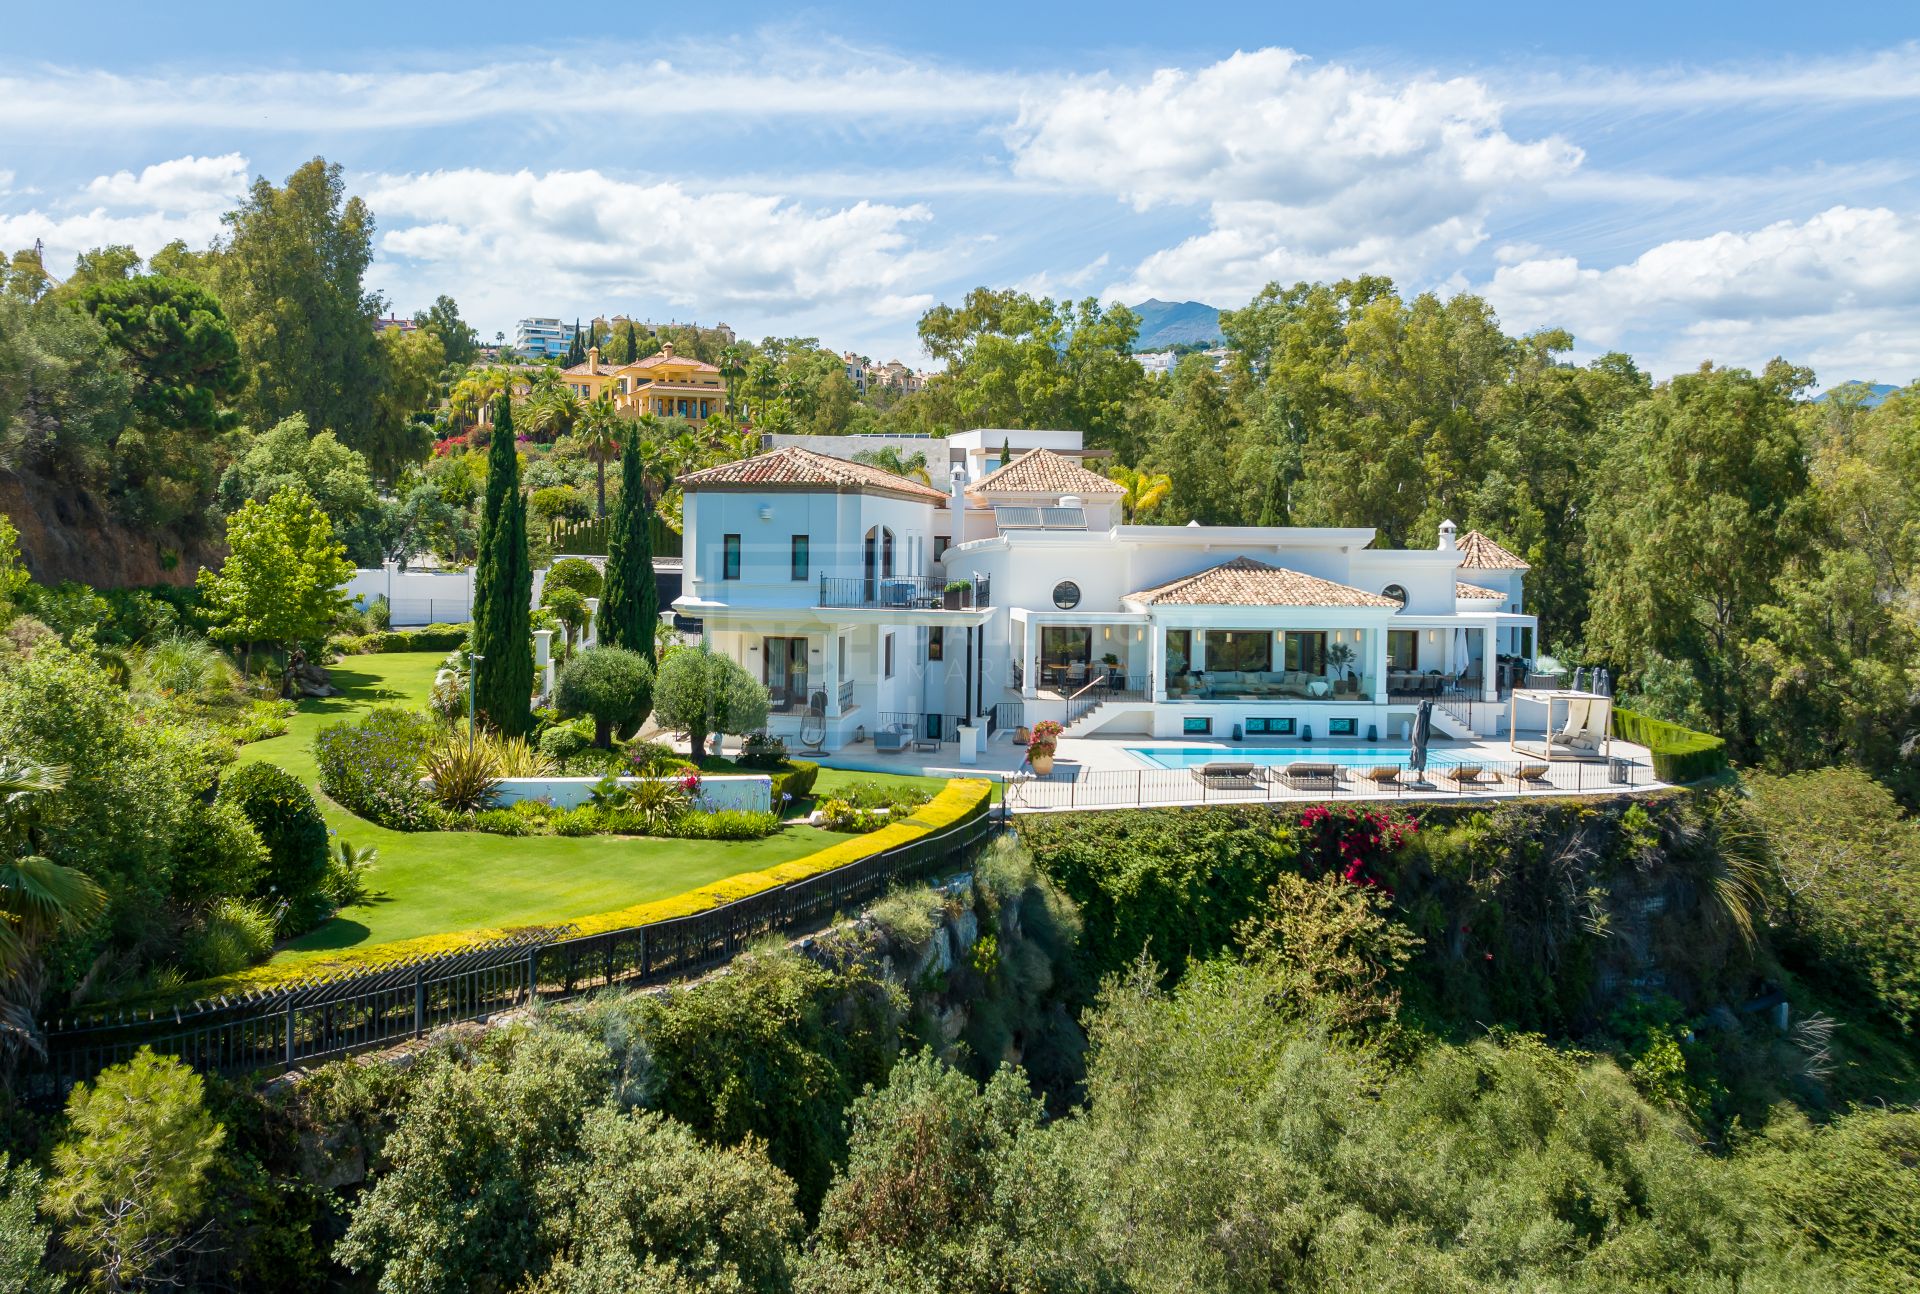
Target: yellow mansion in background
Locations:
point(665, 385)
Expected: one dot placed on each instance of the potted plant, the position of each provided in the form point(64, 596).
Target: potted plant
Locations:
point(1041, 743)
point(1340, 656)
point(1112, 662)
point(957, 594)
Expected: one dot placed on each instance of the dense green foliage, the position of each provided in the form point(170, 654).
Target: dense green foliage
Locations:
point(503, 588)
point(280, 584)
point(631, 604)
point(282, 813)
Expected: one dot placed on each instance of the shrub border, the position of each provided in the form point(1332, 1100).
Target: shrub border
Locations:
point(961, 801)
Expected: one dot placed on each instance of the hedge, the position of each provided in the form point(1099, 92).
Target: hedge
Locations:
point(1679, 754)
point(962, 800)
point(796, 778)
point(425, 638)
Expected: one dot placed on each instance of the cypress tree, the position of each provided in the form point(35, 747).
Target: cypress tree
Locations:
point(631, 604)
point(1006, 451)
point(503, 589)
point(576, 348)
point(629, 345)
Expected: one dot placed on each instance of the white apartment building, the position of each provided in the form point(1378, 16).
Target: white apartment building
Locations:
point(882, 608)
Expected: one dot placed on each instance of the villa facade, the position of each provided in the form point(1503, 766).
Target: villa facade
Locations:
point(664, 385)
point(1007, 589)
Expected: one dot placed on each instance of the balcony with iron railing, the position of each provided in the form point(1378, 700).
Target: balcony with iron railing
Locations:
point(903, 593)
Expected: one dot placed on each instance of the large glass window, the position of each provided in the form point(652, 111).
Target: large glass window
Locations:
point(1066, 652)
point(1305, 651)
point(1179, 652)
point(800, 559)
point(1239, 649)
point(730, 557)
point(1403, 649)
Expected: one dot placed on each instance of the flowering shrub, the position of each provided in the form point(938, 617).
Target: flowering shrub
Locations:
point(372, 768)
point(451, 445)
point(1045, 739)
point(1352, 840)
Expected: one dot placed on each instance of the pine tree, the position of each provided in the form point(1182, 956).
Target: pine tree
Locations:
point(503, 589)
point(631, 604)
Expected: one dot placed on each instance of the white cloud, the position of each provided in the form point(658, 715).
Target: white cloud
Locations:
point(506, 243)
point(183, 184)
point(1887, 76)
point(1835, 291)
point(182, 198)
point(1304, 170)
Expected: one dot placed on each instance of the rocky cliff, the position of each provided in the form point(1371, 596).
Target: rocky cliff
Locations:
point(68, 534)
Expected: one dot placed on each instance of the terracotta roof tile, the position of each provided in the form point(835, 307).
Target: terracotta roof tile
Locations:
point(1244, 582)
point(1041, 471)
point(795, 467)
point(1478, 553)
point(1475, 591)
point(661, 357)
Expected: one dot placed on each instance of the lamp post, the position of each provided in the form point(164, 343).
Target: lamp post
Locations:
point(473, 667)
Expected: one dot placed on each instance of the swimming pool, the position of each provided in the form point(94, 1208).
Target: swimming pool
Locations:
point(1269, 756)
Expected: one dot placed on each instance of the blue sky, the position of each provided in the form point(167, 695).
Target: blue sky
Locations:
point(1687, 182)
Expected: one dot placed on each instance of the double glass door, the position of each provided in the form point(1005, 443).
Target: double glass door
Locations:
point(786, 660)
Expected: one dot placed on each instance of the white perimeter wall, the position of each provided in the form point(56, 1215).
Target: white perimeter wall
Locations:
point(722, 791)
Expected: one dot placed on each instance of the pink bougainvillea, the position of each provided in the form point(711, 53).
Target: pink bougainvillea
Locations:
point(1352, 840)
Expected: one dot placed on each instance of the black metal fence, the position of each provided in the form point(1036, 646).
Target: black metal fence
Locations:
point(323, 1019)
point(903, 592)
point(1226, 780)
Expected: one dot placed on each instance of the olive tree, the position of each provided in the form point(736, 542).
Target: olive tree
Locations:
point(613, 685)
point(700, 693)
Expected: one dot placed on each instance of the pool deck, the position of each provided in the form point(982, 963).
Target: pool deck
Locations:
point(1100, 772)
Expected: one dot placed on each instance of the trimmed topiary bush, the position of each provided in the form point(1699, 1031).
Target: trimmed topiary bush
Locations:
point(611, 685)
point(1679, 754)
point(575, 573)
point(289, 824)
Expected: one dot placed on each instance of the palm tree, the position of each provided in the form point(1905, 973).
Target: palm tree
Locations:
point(554, 410)
point(600, 437)
point(1144, 491)
point(889, 458)
point(38, 897)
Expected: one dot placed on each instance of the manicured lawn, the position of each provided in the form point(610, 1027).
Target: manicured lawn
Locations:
point(444, 881)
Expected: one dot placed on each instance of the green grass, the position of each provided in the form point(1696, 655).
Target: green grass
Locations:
point(439, 882)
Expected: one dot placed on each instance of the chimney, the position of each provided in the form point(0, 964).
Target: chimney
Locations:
point(593, 359)
point(957, 489)
point(1446, 536)
point(666, 350)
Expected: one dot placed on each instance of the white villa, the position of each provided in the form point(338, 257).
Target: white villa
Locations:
point(878, 608)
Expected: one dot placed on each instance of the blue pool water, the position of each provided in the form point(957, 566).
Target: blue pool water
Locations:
point(1345, 756)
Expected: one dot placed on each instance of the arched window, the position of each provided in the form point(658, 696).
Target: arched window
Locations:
point(1395, 592)
point(886, 553)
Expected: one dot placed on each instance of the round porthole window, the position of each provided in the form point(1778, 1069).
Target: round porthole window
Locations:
point(1395, 592)
point(1066, 595)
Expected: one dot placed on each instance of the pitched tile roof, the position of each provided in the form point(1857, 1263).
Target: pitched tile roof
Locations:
point(1041, 471)
point(587, 368)
point(1243, 582)
point(662, 357)
point(1478, 553)
point(796, 468)
point(1475, 591)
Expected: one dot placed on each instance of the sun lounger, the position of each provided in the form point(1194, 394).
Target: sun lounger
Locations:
point(1305, 776)
point(1224, 774)
point(1529, 775)
point(1465, 775)
point(1384, 775)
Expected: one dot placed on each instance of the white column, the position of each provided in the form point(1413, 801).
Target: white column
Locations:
point(1157, 660)
point(1030, 660)
point(1197, 657)
point(591, 637)
point(1377, 642)
point(830, 672)
point(1489, 685)
point(543, 659)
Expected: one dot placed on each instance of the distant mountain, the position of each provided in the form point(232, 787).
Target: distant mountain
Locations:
point(1876, 392)
point(1171, 323)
